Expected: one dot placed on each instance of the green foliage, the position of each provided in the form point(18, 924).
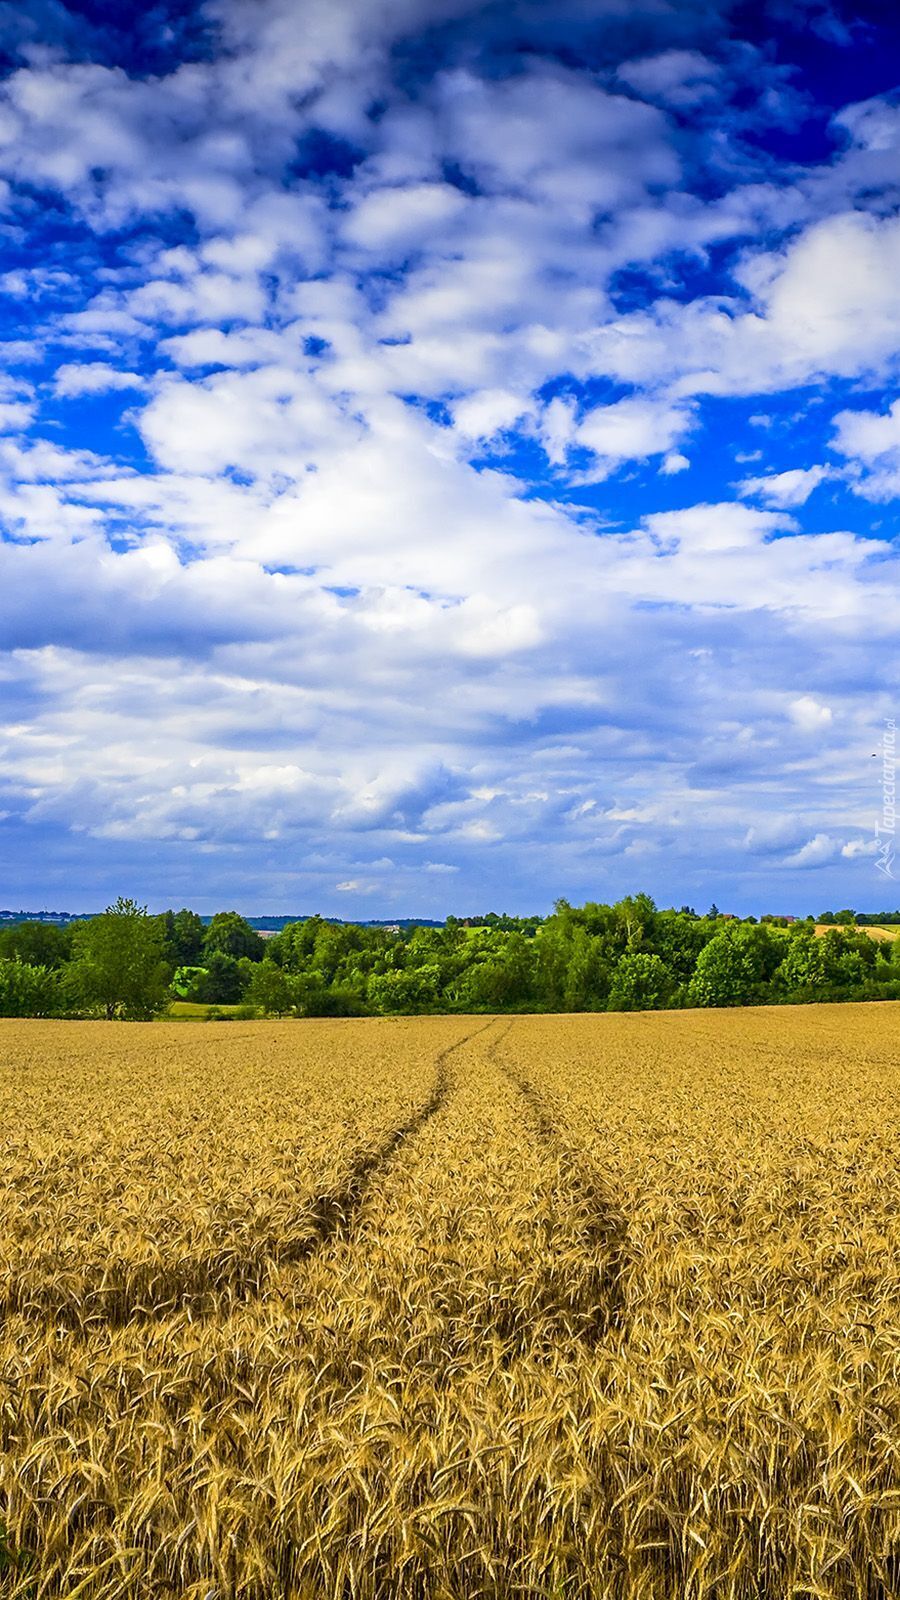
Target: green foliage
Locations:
point(40, 944)
point(833, 967)
point(735, 967)
point(414, 989)
point(271, 990)
point(28, 991)
point(642, 982)
point(185, 980)
point(223, 981)
point(503, 979)
point(230, 934)
point(623, 956)
point(117, 963)
point(183, 938)
point(803, 966)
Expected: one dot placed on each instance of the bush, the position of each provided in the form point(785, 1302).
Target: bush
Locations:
point(28, 991)
point(641, 982)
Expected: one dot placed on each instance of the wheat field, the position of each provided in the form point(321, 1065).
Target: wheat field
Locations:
point(595, 1306)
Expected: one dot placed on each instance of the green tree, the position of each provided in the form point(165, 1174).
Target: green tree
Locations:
point(412, 990)
point(803, 967)
point(118, 964)
point(736, 966)
point(635, 915)
point(271, 989)
point(223, 981)
point(586, 983)
point(185, 938)
point(40, 944)
point(230, 934)
point(28, 991)
point(678, 937)
point(504, 979)
point(838, 963)
point(641, 982)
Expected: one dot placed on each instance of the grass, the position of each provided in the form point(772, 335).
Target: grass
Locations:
point(197, 1011)
point(603, 1307)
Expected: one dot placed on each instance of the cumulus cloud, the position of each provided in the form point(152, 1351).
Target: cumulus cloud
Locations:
point(678, 77)
point(870, 440)
point(631, 430)
point(93, 377)
point(790, 488)
point(814, 853)
point(809, 714)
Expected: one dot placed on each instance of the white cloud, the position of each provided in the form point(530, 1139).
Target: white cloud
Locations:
point(791, 488)
point(632, 430)
point(815, 853)
point(272, 419)
point(871, 442)
point(679, 77)
point(809, 714)
point(605, 148)
point(402, 218)
point(93, 377)
point(856, 848)
point(486, 413)
point(807, 319)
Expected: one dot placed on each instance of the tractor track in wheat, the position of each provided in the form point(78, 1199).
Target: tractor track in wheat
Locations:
point(603, 1225)
point(203, 1285)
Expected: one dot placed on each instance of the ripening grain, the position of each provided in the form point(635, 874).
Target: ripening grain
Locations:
point(598, 1306)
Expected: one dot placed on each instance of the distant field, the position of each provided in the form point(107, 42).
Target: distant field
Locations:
point(598, 1307)
point(874, 931)
point(197, 1011)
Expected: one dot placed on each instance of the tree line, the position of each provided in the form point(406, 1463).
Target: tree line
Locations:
point(626, 956)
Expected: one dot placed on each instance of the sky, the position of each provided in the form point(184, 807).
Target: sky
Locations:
point(450, 454)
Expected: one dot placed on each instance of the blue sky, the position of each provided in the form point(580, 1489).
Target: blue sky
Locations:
point(450, 453)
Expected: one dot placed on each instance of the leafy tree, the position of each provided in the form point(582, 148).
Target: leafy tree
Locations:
point(406, 991)
point(39, 944)
point(641, 982)
point(315, 999)
point(185, 981)
point(221, 982)
point(635, 915)
point(271, 989)
point(504, 980)
point(28, 991)
point(587, 974)
point(118, 963)
point(803, 966)
point(736, 965)
point(678, 937)
point(230, 934)
point(292, 948)
point(845, 919)
point(185, 936)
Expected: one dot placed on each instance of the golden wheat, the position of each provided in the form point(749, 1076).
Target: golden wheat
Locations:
point(595, 1307)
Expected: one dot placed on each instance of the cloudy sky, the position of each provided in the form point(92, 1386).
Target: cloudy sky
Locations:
point(450, 452)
